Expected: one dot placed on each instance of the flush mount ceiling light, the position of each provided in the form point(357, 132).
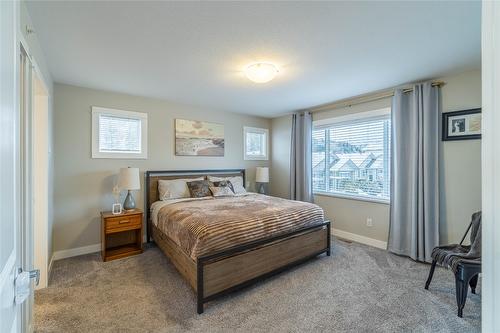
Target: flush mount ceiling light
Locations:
point(261, 72)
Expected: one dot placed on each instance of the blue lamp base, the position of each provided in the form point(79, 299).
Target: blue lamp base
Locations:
point(261, 188)
point(129, 202)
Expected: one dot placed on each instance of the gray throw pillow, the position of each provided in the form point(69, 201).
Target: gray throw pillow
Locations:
point(199, 188)
point(224, 183)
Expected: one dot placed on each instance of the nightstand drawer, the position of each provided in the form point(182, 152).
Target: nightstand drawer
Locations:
point(123, 222)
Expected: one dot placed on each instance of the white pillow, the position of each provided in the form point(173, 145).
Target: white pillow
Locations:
point(223, 191)
point(237, 183)
point(175, 188)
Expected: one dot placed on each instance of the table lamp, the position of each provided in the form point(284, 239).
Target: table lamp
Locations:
point(129, 180)
point(261, 179)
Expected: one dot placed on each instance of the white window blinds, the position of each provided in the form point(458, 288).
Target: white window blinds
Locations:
point(118, 134)
point(352, 157)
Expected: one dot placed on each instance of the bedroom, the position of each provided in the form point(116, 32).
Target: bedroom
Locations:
point(265, 175)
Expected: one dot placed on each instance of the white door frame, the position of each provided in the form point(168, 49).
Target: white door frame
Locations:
point(41, 163)
point(26, 179)
point(490, 145)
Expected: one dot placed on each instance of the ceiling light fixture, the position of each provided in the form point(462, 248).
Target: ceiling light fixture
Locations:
point(261, 72)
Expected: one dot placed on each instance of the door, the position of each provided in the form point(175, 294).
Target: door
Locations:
point(10, 313)
point(16, 199)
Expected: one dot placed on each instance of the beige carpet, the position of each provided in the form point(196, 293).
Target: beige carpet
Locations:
point(357, 289)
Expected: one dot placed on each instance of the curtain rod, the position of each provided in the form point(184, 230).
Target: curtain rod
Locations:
point(364, 99)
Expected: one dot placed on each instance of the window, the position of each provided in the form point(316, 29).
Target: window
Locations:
point(118, 134)
point(351, 156)
point(255, 143)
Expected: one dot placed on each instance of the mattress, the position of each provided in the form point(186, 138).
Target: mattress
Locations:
point(201, 226)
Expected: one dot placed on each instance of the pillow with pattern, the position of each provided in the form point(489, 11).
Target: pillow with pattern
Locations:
point(237, 182)
point(199, 188)
point(221, 191)
point(224, 183)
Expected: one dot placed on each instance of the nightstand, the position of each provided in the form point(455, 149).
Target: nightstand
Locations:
point(121, 235)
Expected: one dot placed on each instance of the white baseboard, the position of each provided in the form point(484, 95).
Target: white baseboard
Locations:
point(78, 251)
point(360, 239)
point(49, 271)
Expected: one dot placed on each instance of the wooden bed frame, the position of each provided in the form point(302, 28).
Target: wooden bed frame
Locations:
point(219, 273)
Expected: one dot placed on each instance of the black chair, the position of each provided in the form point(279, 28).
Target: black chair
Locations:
point(463, 260)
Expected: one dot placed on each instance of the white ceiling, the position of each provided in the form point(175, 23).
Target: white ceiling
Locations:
point(193, 52)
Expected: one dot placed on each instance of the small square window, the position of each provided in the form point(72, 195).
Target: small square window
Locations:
point(256, 143)
point(119, 134)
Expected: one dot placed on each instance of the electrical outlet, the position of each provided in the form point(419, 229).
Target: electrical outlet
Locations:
point(369, 222)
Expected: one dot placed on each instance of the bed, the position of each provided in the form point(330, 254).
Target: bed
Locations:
point(220, 245)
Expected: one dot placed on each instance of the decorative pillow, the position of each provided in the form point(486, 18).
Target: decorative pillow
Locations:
point(174, 189)
point(221, 191)
point(237, 182)
point(224, 183)
point(199, 188)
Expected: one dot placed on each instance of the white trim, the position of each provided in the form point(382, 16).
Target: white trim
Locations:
point(359, 239)
point(353, 197)
point(352, 116)
point(49, 270)
point(490, 162)
point(257, 130)
point(15, 327)
point(78, 251)
point(97, 111)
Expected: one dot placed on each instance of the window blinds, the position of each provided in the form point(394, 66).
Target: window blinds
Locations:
point(119, 134)
point(353, 157)
point(255, 144)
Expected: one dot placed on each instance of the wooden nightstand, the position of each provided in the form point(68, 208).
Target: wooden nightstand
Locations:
point(121, 235)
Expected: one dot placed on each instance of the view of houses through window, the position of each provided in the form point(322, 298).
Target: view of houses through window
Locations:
point(352, 157)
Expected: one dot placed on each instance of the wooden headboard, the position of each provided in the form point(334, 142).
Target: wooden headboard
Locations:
point(151, 184)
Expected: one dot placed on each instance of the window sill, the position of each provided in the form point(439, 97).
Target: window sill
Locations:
point(255, 158)
point(353, 197)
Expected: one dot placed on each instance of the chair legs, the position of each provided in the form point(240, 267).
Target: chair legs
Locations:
point(464, 278)
point(473, 283)
point(431, 273)
point(461, 287)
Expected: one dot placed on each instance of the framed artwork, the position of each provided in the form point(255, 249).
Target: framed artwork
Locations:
point(462, 125)
point(198, 138)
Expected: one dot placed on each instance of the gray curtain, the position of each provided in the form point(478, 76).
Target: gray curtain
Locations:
point(301, 157)
point(414, 221)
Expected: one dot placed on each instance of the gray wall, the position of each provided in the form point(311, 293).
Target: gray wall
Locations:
point(83, 185)
point(280, 172)
point(460, 169)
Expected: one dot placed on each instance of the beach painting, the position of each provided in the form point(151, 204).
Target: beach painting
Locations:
point(198, 138)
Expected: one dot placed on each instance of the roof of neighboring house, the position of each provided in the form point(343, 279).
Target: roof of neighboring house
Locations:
point(353, 161)
point(319, 158)
point(349, 161)
point(378, 163)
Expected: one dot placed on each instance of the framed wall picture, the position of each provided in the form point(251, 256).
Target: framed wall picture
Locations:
point(462, 125)
point(198, 138)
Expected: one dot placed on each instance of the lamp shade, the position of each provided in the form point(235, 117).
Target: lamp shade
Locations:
point(129, 179)
point(262, 175)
